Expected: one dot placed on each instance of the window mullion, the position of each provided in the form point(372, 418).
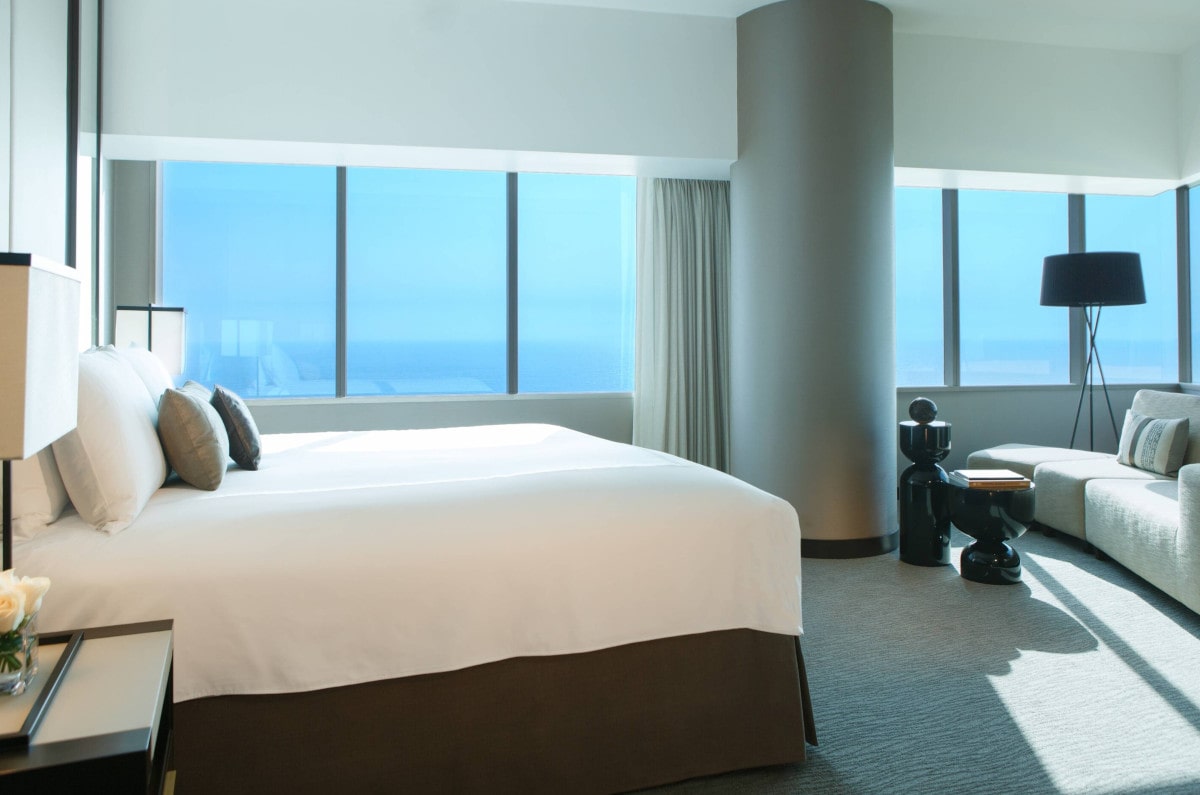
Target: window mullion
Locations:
point(511, 291)
point(1077, 244)
point(340, 310)
point(950, 297)
point(1184, 247)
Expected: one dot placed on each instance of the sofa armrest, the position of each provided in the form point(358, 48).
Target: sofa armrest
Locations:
point(1188, 541)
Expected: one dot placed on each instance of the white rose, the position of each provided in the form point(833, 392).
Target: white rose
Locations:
point(12, 609)
point(34, 589)
point(8, 580)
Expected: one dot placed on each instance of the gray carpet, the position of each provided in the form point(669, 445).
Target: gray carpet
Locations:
point(1082, 679)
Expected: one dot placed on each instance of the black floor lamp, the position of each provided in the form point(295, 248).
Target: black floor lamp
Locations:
point(1093, 280)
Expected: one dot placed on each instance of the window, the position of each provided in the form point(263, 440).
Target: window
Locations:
point(1139, 344)
point(1194, 237)
point(1006, 336)
point(920, 360)
point(426, 274)
point(576, 253)
point(250, 252)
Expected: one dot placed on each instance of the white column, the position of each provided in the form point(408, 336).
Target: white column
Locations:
point(812, 368)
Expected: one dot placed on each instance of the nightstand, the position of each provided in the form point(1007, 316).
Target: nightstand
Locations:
point(110, 720)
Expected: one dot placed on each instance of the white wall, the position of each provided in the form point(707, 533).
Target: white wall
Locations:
point(36, 128)
point(458, 74)
point(5, 122)
point(406, 82)
point(397, 83)
point(1189, 113)
point(1010, 107)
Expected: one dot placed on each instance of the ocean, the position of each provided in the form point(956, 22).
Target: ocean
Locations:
point(298, 369)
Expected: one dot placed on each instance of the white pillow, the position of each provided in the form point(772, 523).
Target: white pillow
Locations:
point(150, 369)
point(39, 496)
point(112, 462)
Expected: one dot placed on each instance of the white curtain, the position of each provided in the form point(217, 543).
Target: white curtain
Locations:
point(681, 392)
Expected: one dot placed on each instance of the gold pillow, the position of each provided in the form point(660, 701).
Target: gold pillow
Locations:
point(193, 437)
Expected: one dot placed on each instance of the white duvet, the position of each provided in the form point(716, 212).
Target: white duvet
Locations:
point(352, 557)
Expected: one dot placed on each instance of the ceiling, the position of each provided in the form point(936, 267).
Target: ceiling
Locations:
point(1167, 26)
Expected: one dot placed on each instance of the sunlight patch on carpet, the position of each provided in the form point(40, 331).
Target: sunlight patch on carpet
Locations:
point(1083, 712)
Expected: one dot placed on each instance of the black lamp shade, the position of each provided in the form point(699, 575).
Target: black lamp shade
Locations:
point(1094, 278)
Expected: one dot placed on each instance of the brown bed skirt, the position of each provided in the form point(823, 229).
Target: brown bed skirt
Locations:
point(604, 721)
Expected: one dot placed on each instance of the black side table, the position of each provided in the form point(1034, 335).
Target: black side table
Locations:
point(992, 518)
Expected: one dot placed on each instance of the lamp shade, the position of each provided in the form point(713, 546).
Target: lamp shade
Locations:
point(158, 329)
point(39, 353)
point(1093, 278)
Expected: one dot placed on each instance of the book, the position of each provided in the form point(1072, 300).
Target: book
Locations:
point(992, 485)
point(993, 479)
point(989, 474)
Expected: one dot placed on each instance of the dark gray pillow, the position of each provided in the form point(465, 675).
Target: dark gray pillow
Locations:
point(245, 446)
point(193, 437)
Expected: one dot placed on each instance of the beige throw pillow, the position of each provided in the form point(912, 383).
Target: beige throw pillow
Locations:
point(1153, 445)
point(193, 436)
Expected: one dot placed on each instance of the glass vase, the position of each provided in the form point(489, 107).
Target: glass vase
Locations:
point(18, 657)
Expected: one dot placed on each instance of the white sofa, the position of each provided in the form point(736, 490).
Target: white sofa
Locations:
point(1149, 523)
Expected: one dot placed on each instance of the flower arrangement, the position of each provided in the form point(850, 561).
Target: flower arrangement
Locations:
point(20, 600)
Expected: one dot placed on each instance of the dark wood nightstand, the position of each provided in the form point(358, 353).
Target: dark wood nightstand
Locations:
point(110, 723)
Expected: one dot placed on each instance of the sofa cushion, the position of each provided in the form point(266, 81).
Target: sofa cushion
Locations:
point(1136, 522)
point(1060, 489)
point(1154, 445)
point(1169, 406)
point(1024, 458)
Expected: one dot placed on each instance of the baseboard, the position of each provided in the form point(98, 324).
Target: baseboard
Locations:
point(850, 547)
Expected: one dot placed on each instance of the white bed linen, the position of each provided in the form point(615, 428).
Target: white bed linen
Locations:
point(353, 557)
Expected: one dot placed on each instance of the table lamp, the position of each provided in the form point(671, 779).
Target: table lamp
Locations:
point(158, 329)
point(39, 363)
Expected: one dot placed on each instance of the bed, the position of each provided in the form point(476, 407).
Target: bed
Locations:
point(515, 608)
